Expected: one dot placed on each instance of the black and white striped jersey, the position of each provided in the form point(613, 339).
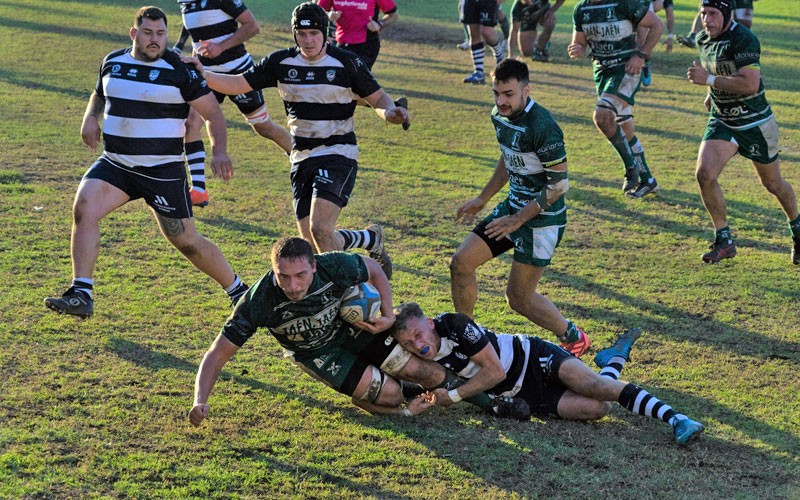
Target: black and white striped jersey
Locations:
point(319, 97)
point(214, 21)
point(146, 105)
point(462, 338)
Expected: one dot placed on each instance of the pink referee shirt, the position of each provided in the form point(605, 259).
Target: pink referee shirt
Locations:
point(351, 28)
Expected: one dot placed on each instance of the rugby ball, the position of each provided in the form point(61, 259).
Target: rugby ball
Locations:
point(360, 303)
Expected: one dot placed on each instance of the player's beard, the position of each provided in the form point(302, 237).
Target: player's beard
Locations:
point(144, 56)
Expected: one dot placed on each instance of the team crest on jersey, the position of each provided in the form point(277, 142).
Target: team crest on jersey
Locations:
point(153, 74)
point(330, 74)
point(471, 334)
point(515, 141)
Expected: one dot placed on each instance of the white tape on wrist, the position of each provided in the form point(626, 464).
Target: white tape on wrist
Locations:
point(406, 412)
point(454, 396)
point(710, 80)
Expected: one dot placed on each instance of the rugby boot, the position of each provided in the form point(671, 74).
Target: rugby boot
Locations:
point(643, 189)
point(476, 78)
point(378, 251)
point(631, 174)
point(463, 45)
point(647, 77)
point(199, 198)
point(505, 407)
point(686, 430)
point(72, 302)
point(622, 348)
point(720, 250)
point(796, 251)
point(577, 346)
point(402, 102)
point(540, 55)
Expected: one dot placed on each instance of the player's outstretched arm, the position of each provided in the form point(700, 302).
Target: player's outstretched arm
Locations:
point(379, 280)
point(207, 374)
point(385, 108)
point(489, 375)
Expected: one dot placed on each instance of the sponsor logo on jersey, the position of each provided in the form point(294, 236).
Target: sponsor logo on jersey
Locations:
point(115, 69)
point(133, 72)
point(310, 75)
point(755, 149)
point(293, 73)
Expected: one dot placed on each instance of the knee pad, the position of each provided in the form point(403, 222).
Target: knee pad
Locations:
point(261, 115)
point(395, 361)
point(375, 386)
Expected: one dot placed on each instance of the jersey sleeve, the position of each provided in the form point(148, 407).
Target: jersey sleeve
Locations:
point(193, 85)
point(361, 80)
point(576, 18)
point(387, 6)
point(470, 336)
point(264, 73)
point(234, 8)
point(250, 313)
point(548, 142)
point(637, 9)
point(746, 51)
point(343, 268)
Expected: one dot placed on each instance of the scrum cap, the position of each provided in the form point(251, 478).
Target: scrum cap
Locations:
point(723, 6)
point(309, 16)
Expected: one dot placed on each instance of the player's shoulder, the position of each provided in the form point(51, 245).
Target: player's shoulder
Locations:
point(116, 54)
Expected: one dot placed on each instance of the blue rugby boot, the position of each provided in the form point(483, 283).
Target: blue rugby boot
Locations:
point(686, 430)
point(622, 348)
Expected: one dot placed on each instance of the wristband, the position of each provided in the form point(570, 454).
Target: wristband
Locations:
point(406, 412)
point(710, 80)
point(454, 395)
point(380, 23)
point(642, 55)
point(671, 36)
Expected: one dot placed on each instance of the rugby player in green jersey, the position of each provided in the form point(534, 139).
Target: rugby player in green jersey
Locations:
point(298, 301)
point(531, 219)
point(609, 28)
point(741, 121)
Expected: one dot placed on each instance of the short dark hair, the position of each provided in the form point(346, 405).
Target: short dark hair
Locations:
point(405, 312)
point(149, 12)
point(511, 69)
point(292, 248)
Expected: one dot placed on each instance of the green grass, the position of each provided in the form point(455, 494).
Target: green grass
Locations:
point(96, 408)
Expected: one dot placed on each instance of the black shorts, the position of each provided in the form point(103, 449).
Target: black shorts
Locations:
point(482, 12)
point(247, 103)
point(541, 387)
point(375, 353)
point(367, 51)
point(163, 188)
point(497, 247)
point(329, 177)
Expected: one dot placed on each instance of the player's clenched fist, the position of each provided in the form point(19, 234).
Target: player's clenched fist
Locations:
point(198, 413)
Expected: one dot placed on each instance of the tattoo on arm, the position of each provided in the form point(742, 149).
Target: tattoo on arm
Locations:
point(171, 227)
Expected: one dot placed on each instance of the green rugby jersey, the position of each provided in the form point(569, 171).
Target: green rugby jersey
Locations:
point(723, 56)
point(530, 143)
point(308, 324)
point(610, 28)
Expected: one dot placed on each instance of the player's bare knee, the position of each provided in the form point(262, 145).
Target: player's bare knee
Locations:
point(598, 409)
point(459, 264)
point(391, 395)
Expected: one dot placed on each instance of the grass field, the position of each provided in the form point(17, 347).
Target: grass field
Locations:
point(97, 408)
